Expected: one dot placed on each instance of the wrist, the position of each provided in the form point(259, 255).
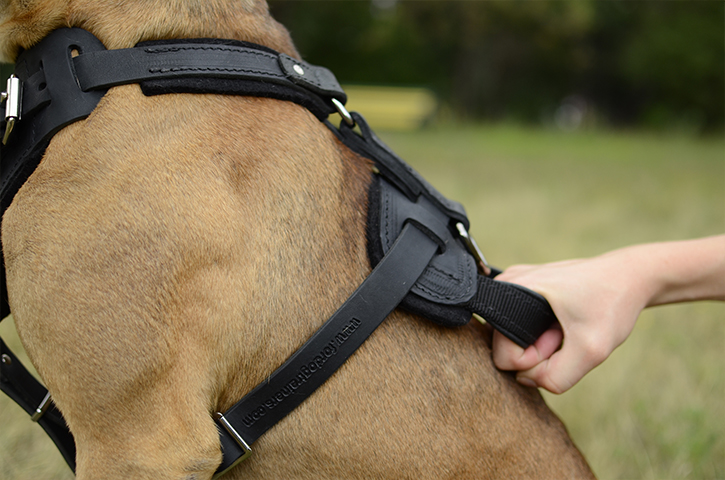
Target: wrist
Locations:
point(636, 274)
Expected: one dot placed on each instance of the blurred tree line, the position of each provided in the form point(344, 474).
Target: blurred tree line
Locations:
point(646, 63)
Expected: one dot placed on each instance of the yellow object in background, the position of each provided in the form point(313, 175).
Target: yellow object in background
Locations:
point(392, 108)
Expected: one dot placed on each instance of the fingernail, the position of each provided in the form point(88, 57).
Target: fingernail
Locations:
point(527, 382)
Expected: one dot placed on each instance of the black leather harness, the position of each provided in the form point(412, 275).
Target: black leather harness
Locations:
point(424, 261)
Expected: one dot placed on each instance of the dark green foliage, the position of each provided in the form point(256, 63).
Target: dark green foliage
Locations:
point(650, 63)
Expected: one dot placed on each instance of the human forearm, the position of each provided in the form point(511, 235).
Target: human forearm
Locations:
point(683, 271)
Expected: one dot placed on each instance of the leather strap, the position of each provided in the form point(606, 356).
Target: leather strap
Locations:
point(450, 278)
point(316, 361)
point(394, 168)
point(450, 289)
point(17, 383)
point(196, 60)
point(109, 68)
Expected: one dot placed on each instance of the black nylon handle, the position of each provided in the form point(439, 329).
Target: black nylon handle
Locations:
point(519, 313)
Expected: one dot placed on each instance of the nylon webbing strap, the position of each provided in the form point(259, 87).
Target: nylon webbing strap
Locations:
point(330, 347)
point(517, 312)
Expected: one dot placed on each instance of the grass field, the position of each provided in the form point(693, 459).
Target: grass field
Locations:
point(655, 409)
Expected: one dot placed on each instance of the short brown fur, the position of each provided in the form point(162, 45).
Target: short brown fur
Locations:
point(170, 252)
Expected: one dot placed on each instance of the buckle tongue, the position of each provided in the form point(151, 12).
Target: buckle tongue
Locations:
point(12, 97)
point(473, 249)
point(42, 408)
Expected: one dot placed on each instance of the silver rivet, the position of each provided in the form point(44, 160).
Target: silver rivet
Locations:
point(299, 70)
point(7, 360)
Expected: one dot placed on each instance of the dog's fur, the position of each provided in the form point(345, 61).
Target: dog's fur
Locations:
point(170, 252)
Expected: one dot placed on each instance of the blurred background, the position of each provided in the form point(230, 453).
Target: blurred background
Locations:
point(567, 128)
point(572, 63)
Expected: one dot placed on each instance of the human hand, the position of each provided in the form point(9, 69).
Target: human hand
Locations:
point(596, 308)
point(597, 301)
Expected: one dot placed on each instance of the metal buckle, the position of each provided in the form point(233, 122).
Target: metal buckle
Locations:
point(237, 438)
point(42, 408)
point(343, 112)
point(473, 249)
point(12, 97)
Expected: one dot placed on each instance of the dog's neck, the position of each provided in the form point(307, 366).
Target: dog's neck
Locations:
point(120, 25)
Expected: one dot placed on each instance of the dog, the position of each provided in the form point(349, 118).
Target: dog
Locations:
point(170, 252)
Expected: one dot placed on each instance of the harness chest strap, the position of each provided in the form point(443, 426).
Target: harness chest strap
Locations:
point(315, 362)
point(421, 246)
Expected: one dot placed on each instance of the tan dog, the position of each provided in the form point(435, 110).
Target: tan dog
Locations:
point(171, 251)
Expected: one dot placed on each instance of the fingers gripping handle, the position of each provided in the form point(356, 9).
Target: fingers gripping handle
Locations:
point(520, 314)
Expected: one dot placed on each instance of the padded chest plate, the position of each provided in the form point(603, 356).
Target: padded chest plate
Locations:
point(450, 278)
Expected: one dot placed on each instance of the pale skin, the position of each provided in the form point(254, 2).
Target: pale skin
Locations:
point(598, 300)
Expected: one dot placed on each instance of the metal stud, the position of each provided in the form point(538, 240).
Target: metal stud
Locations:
point(7, 360)
point(299, 70)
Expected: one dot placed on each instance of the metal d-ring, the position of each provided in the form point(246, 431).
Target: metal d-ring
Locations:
point(343, 112)
point(473, 249)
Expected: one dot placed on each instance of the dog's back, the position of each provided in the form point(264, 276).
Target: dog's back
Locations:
point(171, 251)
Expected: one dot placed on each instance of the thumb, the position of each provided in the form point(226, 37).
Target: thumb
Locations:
point(565, 367)
point(509, 356)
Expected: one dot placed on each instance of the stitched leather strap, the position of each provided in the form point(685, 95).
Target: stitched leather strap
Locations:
point(102, 70)
point(316, 361)
point(186, 59)
point(450, 278)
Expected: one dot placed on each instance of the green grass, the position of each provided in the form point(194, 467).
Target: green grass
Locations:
point(654, 410)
